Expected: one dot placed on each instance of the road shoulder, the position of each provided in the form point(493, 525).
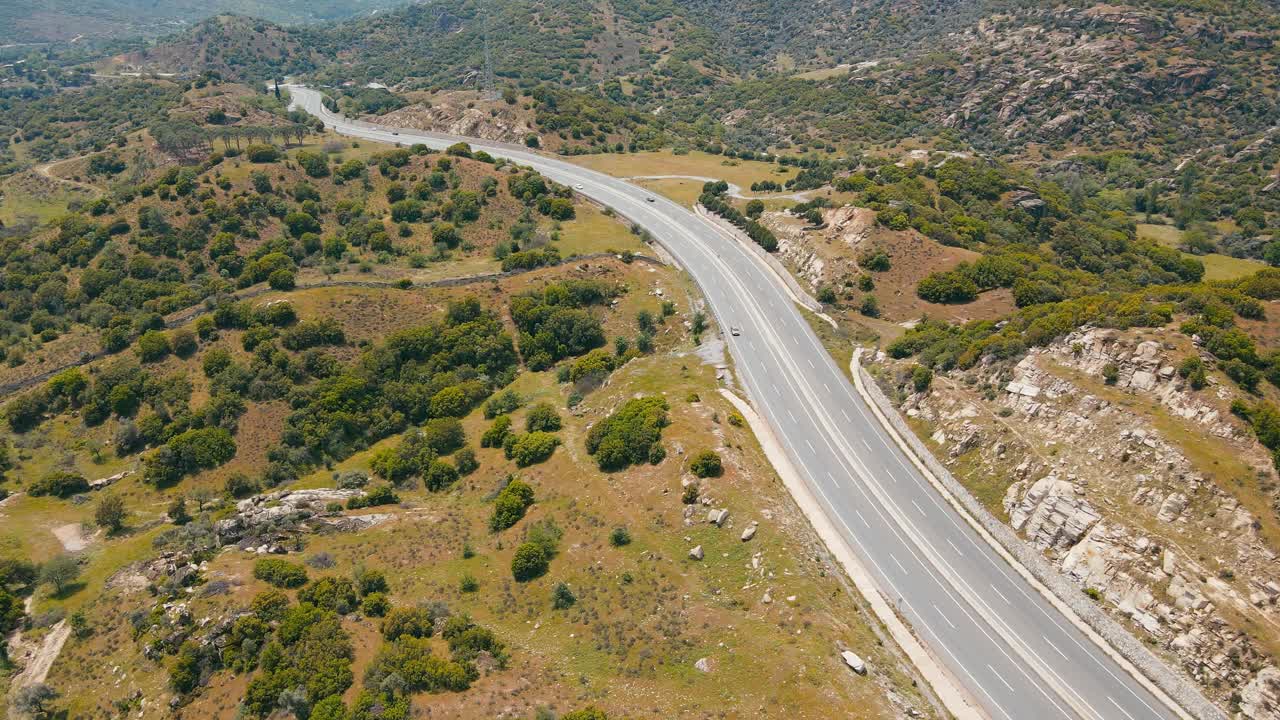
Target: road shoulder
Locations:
point(949, 691)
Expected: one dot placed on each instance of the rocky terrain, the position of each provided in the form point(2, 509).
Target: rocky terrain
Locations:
point(829, 255)
point(462, 113)
point(1150, 496)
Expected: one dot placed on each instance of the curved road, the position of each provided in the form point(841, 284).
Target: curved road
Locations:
point(1017, 655)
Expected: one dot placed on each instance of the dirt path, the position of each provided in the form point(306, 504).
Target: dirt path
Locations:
point(46, 170)
point(35, 661)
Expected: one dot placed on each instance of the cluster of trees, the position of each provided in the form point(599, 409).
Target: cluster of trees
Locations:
point(713, 199)
point(551, 199)
point(554, 323)
point(420, 453)
point(64, 124)
point(153, 411)
point(300, 652)
point(532, 258)
point(187, 453)
point(435, 372)
point(17, 579)
point(1212, 310)
point(532, 558)
point(631, 435)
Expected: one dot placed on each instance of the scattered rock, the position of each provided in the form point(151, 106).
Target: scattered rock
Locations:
point(696, 553)
point(750, 532)
point(703, 665)
point(1172, 507)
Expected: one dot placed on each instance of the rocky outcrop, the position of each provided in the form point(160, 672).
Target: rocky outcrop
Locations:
point(1050, 513)
point(1261, 697)
point(1119, 506)
point(263, 523)
point(458, 115)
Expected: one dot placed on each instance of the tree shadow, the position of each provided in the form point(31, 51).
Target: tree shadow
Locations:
point(68, 590)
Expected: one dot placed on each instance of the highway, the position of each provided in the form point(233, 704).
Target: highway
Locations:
point(1012, 650)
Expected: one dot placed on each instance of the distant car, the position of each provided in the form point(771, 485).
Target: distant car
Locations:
point(393, 132)
point(579, 186)
point(734, 330)
point(651, 199)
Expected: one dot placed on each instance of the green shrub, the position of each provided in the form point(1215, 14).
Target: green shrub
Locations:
point(439, 475)
point(542, 418)
point(280, 573)
point(408, 622)
point(947, 287)
point(530, 448)
point(153, 346)
point(510, 505)
point(260, 153)
point(496, 435)
point(60, 484)
point(465, 461)
point(375, 605)
point(562, 598)
point(503, 403)
point(529, 562)
point(331, 593)
point(626, 436)
point(1110, 373)
point(706, 464)
point(921, 378)
point(381, 495)
point(370, 581)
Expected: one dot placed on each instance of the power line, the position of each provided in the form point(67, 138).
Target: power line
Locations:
point(489, 91)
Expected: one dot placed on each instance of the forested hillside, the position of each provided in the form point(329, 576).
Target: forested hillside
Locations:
point(63, 20)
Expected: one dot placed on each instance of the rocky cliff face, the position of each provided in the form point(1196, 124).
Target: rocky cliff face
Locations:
point(1149, 495)
point(460, 114)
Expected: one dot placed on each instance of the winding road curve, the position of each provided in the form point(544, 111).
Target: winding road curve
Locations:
point(1015, 654)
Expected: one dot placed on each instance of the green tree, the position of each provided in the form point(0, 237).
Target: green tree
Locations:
point(111, 513)
point(530, 562)
point(60, 572)
point(921, 378)
point(510, 505)
point(153, 346)
point(316, 164)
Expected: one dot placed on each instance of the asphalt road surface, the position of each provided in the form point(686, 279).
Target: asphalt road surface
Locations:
point(1013, 651)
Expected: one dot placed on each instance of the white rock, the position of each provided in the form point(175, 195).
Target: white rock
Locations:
point(703, 665)
point(854, 662)
point(749, 533)
point(696, 553)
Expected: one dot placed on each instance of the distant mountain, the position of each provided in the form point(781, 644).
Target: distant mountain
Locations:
point(43, 21)
point(1153, 76)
